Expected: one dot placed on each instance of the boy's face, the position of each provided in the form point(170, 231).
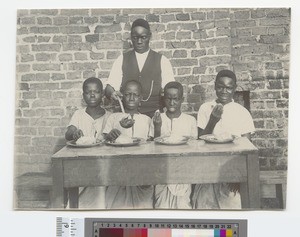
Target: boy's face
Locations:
point(225, 88)
point(92, 95)
point(173, 100)
point(132, 96)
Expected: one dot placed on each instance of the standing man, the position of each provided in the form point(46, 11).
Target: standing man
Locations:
point(142, 64)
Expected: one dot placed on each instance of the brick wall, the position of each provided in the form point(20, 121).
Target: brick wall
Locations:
point(58, 49)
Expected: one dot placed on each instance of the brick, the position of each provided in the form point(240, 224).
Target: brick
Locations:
point(29, 95)
point(23, 68)
point(44, 86)
point(276, 30)
point(82, 66)
point(274, 85)
point(215, 42)
point(22, 121)
point(42, 112)
point(198, 53)
point(29, 39)
point(44, 21)
point(167, 18)
point(74, 12)
point(181, 26)
point(57, 112)
point(45, 131)
point(266, 95)
point(243, 23)
point(241, 15)
point(80, 56)
point(259, 30)
point(214, 60)
point(27, 20)
point(220, 24)
point(87, 74)
point(65, 57)
point(259, 124)
point(221, 14)
point(44, 94)
point(46, 47)
point(74, 75)
point(46, 67)
point(43, 39)
point(112, 54)
point(193, 98)
point(168, 36)
point(22, 31)
point(182, 44)
point(60, 20)
point(59, 132)
point(108, 29)
point(106, 65)
point(184, 62)
point(109, 45)
point(107, 37)
point(183, 35)
point(74, 38)
point(182, 17)
point(22, 12)
point(273, 65)
point(44, 30)
point(91, 20)
point(49, 12)
point(279, 21)
point(180, 54)
point(258, 13)
point(44, 102)
point(23, 86)
point(270, 104)
point(77, 46)
point(74, 29)
point(96, 56)
point(198, 16)
point(57, 76)
point(208, 79)
point(155, 27)
point(223, 50)
point(188, 79)
point(75, 20)
point(45, 57)
point(199, 70)
point(244, 40)
point(23, 140)
point(92, 38)
point(103, 74)
point(26, 131)
point(136, 11)
point(27, 57)
point(122, 18)
point(59, 95)
point(103, 11)
point(280, 12)
point(222, 32)
point(152, 18)
point(183, 71)
point(59, 39)
point(282, 103)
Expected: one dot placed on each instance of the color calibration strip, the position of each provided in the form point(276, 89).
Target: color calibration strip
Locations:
point(120, 232)
point(146, 229)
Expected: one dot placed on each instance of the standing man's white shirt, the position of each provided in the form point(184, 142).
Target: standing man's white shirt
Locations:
point(116, 73)
point(235, 120)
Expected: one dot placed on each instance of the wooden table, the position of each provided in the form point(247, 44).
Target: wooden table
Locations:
point(151, 163)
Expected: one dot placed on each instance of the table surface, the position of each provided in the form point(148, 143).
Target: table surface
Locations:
point(193, 147)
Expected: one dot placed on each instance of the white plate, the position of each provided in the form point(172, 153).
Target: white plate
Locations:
point(73, 144)
point(163, 141)
point(210, 138)
point(135, 142)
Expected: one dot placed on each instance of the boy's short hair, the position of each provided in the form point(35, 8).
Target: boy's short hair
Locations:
point(226, 73)
point(132, 82)
point(174, 85)
point(93, 80)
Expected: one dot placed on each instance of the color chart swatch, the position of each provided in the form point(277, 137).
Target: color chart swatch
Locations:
point(144, 232)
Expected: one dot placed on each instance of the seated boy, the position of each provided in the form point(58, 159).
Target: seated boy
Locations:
point(219, 117)
point(89, 122)
point(131, 124)
point(173, 122)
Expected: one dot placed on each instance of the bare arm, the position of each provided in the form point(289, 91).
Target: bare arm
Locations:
point(73, 133)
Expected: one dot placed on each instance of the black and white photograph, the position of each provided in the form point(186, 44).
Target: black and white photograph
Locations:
point(152, 109)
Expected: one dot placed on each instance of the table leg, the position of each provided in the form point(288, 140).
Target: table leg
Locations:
point(73, 197)
point(250, 190)
point(58, 197)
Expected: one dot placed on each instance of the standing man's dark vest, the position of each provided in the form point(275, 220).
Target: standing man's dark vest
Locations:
point(150, 72)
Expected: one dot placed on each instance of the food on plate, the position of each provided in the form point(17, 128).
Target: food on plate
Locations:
point(223, 136)
point(173, 139)
point(122, 139)
point(86, 140)
point(127, 122)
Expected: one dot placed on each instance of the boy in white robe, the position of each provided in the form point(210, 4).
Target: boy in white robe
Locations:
point(173, 122)
point(130, 124)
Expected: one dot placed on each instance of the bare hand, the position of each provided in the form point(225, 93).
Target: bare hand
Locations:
point(157, 122)
point(113, 134)
point(217, 111)
point(115, 95)
point(77, 134)
point(127, 122)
